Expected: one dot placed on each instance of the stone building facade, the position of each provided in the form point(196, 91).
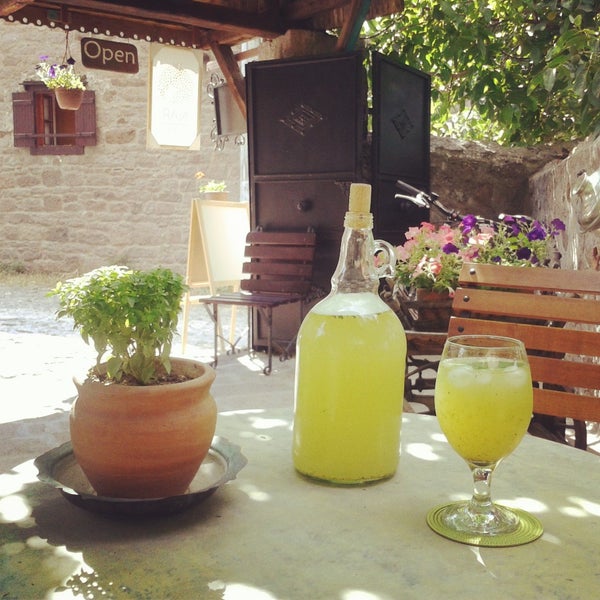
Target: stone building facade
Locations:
point(119, 201)
point(123, 202)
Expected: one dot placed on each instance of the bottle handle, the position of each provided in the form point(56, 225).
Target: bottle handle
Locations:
point(385, 267)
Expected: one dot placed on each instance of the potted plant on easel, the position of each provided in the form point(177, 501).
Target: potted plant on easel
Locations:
point(212, 189)
point(143, 422)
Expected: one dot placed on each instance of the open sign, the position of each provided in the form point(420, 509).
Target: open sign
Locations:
point(110, 56)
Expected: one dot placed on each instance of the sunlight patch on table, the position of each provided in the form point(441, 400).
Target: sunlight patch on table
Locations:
point(552, 539)
point(242, 591)
point(592, 508)
point(531, 505)
point(14, 508)
point(422, 451)
point(362, 595)
point(254, 493)
point(261, 423)
point(581, 508)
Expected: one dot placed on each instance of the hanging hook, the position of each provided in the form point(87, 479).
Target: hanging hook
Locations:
point(70, 60)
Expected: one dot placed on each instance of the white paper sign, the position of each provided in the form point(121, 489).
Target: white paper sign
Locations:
point(176, 79)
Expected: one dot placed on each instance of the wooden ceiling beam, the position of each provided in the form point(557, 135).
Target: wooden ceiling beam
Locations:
point(298, 11)
point(186, 14)
point(8, 7)
point(351, 30)
point(231, 72)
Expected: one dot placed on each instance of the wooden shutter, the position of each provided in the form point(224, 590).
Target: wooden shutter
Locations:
point(85, 120)
point(23, 119)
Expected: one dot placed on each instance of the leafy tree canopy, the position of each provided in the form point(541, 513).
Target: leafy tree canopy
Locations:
point(519, 72)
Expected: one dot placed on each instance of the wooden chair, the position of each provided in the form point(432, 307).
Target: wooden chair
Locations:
point(556, 313)
point(279, 267)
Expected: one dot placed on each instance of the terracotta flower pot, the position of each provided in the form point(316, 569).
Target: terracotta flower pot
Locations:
point(68, 99)
point(144, 441)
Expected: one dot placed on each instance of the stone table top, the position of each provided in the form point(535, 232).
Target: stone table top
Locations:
point(271, 534)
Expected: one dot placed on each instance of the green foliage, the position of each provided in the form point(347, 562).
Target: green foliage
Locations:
point(59, 76)
point(131, 313)
point(210, 186)
point(513, 71)
point(213, 186)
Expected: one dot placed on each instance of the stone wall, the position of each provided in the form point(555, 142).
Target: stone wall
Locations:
point(550, 197)
point(486, 179)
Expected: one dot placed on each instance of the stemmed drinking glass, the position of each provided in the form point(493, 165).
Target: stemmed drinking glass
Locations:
point(483, 401)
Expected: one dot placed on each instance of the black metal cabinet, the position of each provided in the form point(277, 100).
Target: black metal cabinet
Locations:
point(308, 141)
point(400, 149)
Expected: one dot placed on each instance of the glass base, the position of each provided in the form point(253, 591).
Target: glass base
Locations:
point(456, 522)
point(467, 517)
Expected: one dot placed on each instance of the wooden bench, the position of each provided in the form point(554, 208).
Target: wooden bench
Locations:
point(556, 313)
point(279, 267)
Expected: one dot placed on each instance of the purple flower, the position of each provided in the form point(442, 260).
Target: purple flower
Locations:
point(537, 232)
point(468, 223)
point(557, 226)
point(512, 224)
point(52, 71)
point(524, 254)
point(449, 248)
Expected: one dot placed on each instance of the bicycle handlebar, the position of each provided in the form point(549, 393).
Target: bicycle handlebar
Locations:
point(424, 200)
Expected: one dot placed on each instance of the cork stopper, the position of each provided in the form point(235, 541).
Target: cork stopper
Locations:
point(360, 198)
point(359, 206)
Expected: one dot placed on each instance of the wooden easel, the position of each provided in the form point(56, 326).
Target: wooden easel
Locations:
point(216, 244)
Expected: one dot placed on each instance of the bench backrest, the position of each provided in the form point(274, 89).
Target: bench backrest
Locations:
point(279, 262)
point(556, 313)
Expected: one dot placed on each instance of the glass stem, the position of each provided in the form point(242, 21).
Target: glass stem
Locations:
point(481, 502)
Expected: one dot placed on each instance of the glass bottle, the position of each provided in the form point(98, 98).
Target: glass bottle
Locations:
point(350, 365)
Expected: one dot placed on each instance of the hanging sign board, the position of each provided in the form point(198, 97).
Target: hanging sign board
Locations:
point(109, 56)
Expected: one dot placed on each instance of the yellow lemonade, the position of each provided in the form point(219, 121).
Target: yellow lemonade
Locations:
point(483, 405)
point(349, 391)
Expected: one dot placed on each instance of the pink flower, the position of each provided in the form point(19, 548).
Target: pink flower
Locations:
point(412, 233)
point(425, 226)
point(434, 266)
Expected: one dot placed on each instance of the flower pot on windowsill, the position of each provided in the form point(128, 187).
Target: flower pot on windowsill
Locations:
point(68, 99)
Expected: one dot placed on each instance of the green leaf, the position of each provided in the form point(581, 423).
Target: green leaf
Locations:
point(549, 77)
point(533, 47)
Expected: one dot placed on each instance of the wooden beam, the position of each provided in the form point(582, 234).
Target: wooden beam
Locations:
point(351, 29)
point(185, 13)
point(298, 11)
point(8, 7)
point(232, 73)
